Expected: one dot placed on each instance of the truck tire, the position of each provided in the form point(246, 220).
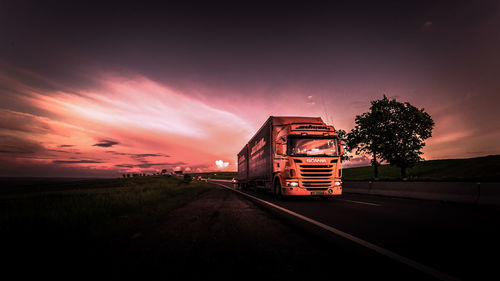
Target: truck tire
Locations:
point(277, 190)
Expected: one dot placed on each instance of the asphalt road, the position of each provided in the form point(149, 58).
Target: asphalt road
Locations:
point(459, 240)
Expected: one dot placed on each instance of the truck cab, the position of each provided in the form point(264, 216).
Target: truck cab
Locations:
point(307, 161)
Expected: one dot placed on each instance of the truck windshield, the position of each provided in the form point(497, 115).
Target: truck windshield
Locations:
point(313, 146)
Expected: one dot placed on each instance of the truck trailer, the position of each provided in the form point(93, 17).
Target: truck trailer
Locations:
point(292, 156)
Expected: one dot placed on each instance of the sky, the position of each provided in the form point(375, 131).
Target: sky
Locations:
point(102, 88)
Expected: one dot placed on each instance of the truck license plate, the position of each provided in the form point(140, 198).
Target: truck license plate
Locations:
point(316, 192)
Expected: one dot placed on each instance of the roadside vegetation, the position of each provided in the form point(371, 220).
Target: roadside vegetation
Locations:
point(87, 209)
point(483, 169)
point(217, 175)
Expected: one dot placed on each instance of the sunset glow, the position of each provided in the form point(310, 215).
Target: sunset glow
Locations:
point(129, 101)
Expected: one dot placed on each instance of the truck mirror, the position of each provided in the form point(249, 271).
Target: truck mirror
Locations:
point(341, 147)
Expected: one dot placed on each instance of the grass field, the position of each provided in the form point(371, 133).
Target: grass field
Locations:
point(472, 169)
point(80, 229)
point(88, 208)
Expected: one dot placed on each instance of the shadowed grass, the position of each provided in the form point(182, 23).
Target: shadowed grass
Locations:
point(92, 207)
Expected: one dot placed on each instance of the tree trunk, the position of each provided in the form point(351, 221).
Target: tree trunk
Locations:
point(403, 173)
point(375, 166)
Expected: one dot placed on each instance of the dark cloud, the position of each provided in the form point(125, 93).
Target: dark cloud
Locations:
point(66, 145)
point(140, 155)
point(106, 143)
point(58, 150)
point(124, 166)
point(24, 122)
point(147, 164)
point(150, 155)
point(116, 153)
point(13, 146)
point(14, 150)
point(76, 161)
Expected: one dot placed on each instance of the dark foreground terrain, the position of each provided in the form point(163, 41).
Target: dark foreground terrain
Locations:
point(184, 231)
point(164, 228)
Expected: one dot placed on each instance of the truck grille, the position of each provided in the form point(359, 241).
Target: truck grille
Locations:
point(316, 176)
point(317, 189)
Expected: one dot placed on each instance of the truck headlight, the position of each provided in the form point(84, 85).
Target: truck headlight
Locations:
point(338, 183)
point(292, 183)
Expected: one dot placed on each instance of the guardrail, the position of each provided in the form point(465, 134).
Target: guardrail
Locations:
point(221, 180)
point(485, 193)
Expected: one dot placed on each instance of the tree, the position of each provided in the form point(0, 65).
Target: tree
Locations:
point(391, 131)
point(406, 128)
point(367, 136)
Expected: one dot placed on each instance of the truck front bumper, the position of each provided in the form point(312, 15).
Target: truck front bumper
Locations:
point(303, 191)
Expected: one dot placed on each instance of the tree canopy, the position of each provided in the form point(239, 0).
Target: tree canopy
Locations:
point(391, 131)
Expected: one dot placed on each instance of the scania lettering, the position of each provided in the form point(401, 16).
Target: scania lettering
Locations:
point(293, 156)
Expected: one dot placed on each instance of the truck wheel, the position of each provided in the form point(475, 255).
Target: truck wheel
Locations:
point(277, 190)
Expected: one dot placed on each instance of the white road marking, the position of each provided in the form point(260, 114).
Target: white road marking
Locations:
point(431, 271)
point(361, 202)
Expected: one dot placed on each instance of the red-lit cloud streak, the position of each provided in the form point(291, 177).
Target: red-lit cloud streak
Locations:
point(127, 125)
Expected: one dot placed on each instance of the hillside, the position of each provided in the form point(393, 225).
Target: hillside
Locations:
point(471, 169)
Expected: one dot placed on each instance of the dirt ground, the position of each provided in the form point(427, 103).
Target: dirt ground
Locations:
point(222, 236)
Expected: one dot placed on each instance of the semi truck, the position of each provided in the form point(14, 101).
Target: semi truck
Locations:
point(293, 156)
